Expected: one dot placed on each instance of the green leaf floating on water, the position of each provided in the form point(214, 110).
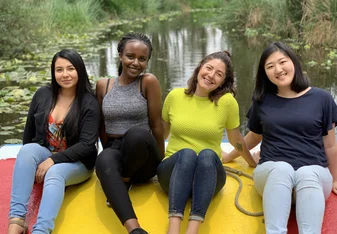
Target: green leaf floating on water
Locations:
point(13, 141)
point(6, 133)
point(6, 128)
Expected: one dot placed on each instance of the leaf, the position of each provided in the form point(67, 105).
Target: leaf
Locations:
point(5, 128)
point(6, 133)
point(13, 141)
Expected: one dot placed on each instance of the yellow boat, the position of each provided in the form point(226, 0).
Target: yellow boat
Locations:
point(84, 209)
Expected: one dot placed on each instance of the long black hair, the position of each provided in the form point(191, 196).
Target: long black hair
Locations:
point(70, 127)
point(132, 36)
point(228, 85)
point(262, 83)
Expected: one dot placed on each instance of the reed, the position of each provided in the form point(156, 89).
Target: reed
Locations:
point(320, 22)
point(70, 16)
point(264, 15)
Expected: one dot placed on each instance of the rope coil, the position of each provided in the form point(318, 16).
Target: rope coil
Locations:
point(234, 173)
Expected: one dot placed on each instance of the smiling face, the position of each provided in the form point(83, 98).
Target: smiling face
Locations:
point(134, 58)
point(280, 70)
point(65, 74)
point(211, 75)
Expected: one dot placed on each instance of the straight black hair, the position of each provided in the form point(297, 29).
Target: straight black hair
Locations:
point(70, 127)
point(262, 83)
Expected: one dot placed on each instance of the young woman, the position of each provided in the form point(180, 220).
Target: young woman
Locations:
point(195, 118)
point(59, 142)
point(131, 131)
point(296, 125)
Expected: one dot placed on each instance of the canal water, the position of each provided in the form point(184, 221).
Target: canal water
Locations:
point(180, 42)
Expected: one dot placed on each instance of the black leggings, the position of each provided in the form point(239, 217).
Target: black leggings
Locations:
point(135, 156)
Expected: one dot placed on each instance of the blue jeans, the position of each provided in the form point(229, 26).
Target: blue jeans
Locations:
point(184, 174)
point(57, 177)
point(278, 183)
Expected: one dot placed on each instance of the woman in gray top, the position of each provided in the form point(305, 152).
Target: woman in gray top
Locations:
point(131, 132)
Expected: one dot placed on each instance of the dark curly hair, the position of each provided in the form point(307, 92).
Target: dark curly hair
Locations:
point(228, 85)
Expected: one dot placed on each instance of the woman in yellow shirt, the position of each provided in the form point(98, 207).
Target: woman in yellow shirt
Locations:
point(195, 118)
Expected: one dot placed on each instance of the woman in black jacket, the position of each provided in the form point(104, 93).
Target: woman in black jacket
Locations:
point(59, 142)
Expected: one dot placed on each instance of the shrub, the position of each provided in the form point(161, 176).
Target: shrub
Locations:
point(18, 19)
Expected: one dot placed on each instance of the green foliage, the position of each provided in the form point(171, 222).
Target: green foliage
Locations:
point(295, 9)
point(132, 8)
point(171, 5)
point(315, 21)
point(18, 19)
point(71, 16)
point(204, 4)
point(26, 23)
point(320, 22)
point(266, 16)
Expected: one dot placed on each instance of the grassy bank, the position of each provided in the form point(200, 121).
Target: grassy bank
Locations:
point(312, 21)
point(27, 23)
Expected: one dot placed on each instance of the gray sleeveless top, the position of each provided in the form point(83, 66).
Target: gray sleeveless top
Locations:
point(124, 107)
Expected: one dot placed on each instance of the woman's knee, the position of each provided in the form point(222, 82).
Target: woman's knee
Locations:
point(208, 158)
point(314, 171)
point(186, 156)
point(275, 169)
point(272, 173)
point(107, 157)
point(309, 177)
point(30, 153)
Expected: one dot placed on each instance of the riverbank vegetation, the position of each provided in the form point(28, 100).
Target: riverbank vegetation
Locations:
point(312, 21)
point(33, 30)
point(24, 24)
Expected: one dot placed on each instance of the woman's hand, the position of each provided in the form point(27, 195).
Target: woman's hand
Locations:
point(42, 169)
point(225, 157)
point(334, 187)
point(256, 156)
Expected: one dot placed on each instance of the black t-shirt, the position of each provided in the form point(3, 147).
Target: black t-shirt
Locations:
point(293, 128)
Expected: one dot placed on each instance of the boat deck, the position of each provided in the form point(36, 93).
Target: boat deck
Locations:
point(84, 209)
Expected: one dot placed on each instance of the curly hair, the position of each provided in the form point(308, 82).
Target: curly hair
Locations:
point(228, 85)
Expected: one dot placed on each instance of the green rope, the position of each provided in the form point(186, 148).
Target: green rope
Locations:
point(235, 174)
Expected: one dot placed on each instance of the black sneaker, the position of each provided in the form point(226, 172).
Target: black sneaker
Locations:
point(138, 231)
point(128, 186)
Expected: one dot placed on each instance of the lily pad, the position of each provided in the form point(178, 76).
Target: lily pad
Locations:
point(6, 128)
point(6, 133)
point(13, 141)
